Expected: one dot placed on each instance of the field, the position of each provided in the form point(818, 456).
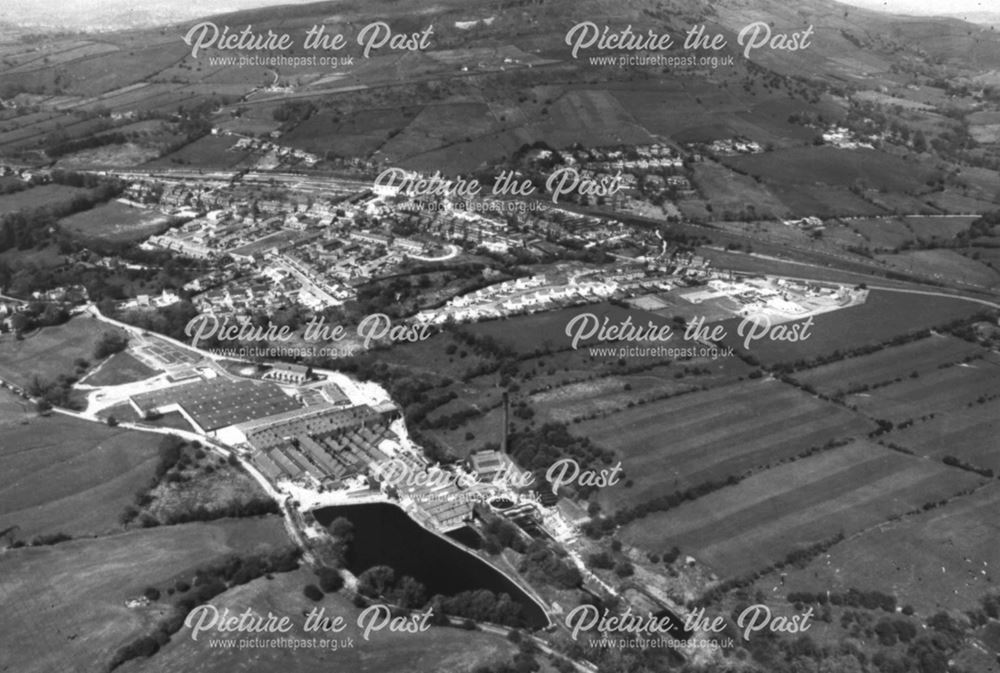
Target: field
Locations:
point(823, 201)
point(883, 316)
point(438, 649)
point(883, 233)
point(946, 265)
point(889, 364)
point(969, 434)
point(941, 391)
point(832, 167)
point(65, 604)
point(674, 444)
point(356, 134)
point(15, 410)
point(953, 546)
point(946, 228)
point(757, 522)
point(530, 333)
point(36, 197)
point(50, 351)
point(115, 221)
point(71, 476)
point(602, 395)
point(206, 152)
point(119, 368)
point(727, 190)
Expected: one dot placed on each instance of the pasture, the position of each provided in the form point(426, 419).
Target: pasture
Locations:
point(438, 649)
point(938, 392)
point(969, 434)
point(757, 522)
point(119, 368)
point(953, 546)
point(945, 265)
point(72, 476)
point(832, 167)
point(116, 222)
point(50, 351)
point(38, 197)
point(65, 604)
point(537, 332)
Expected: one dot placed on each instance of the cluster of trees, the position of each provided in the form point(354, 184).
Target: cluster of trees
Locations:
point(549, 565)
point(380, 582)
point(500, 534)
point(60, 146)
point(38, 314)
point(480, 605)
point(257, 506)
point(109, 343)
point(169, 320)
point(855, 598)
point(55, 393)
point(538, 449)
point(293, 111)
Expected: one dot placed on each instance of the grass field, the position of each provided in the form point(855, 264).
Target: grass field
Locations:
point(206, 152)
point(530, 333)
point(921, 356)
point(14, 410)
point(605, 394)
point(883, 316)
point(115, 221)
point(65, 604)
point(49, 351)
point(119, 368)
point(916, 558)
point(438, 649)
point(674, 444)
point(968, 434)
point(883, 233)
point(71, 476)
point(757, 522)
point(946, 228)
point(938, 392)
point(946, 265)
point(36, 197)
point(831, 166)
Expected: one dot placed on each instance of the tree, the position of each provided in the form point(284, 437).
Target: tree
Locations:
point(376, 581)
point(109, 344)
point(313, 592)
point(330, 580)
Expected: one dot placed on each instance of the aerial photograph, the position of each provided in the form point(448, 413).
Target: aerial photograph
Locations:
point(500, 336)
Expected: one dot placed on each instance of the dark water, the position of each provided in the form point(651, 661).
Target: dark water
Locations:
point(385, 535)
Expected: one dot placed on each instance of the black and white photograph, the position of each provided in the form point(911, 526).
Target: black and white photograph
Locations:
point(499, 336)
